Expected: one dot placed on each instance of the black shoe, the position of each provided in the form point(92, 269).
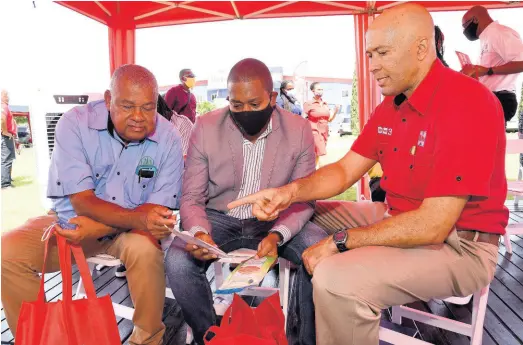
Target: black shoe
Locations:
point(120, 272)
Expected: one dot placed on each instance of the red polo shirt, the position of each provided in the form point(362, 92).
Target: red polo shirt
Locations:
point(8, 119)
point(448, 139)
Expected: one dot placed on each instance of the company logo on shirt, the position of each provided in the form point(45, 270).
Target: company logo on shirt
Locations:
point(422, 137)
point(384, 130)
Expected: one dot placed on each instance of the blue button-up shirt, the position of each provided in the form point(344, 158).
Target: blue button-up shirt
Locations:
point(87, 156)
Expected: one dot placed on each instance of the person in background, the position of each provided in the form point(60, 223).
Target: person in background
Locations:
point(287, 98)
point(180, 98)
point(501, 57)
point(440, 48)
point(15, 138)
point(8, 143)
point(181, 122)
point(318, 113)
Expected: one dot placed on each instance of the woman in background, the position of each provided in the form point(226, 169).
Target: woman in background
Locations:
point(318, 113)
point(287, 98)
point(440, 49)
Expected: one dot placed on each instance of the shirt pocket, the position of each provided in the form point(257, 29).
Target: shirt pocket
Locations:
point(140, 190)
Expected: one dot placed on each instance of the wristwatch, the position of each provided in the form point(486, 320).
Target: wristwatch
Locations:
point(490, 71)
point(340, 238)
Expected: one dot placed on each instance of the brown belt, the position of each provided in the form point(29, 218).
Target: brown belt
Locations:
point(482, 236)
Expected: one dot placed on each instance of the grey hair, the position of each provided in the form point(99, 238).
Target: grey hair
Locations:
point(136, 74)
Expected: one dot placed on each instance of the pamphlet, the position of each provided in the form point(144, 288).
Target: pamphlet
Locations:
point(249, 273)
point(235, 256)
point(464, 59)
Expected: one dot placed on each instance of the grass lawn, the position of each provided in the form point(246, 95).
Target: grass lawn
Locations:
point(23, 201)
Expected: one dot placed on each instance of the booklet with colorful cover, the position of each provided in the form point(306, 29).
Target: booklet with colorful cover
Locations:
point(249, 273)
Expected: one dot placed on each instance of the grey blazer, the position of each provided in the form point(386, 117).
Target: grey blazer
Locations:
point(214, 166)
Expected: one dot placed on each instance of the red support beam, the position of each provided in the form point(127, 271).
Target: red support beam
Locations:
point(122, 28)
point(368, 91)
point(121, 47)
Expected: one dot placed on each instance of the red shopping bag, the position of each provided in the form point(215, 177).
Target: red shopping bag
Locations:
point(242, 324)
point(89, 321)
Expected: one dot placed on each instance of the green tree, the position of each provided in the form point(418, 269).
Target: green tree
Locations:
point(205, 107)
point(20, 120)
point(354, 110)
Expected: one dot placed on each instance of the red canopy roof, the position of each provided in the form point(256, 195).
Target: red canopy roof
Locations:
point(123, 18)
point(143, 14)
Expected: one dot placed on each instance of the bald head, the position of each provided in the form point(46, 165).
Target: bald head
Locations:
point(476, 11)
point(132, 101)
point(134, 75)
point(474, 21)
point(248, 70)
point(401, 47)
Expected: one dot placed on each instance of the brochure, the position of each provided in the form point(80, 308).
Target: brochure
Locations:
point(235, 256)
point(249, 273)
point(464, 59)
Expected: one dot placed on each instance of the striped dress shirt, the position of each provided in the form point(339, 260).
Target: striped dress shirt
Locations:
point(253, 154)
point(184, 126)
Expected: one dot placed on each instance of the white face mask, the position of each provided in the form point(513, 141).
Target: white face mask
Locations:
point(291, 92)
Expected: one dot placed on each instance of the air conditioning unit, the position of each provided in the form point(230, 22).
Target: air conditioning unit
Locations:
point(46, 110)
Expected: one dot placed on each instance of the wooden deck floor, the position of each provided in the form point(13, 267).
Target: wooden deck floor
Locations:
point(503, 322)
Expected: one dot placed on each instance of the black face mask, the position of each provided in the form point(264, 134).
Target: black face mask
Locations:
point(471, 31)
point(252, 122)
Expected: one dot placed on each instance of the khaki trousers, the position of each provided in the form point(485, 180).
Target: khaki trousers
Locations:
point(22, 259)
point(351, 288)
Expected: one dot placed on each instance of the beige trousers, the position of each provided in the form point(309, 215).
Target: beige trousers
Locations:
point(22, 259)
point(352, 288)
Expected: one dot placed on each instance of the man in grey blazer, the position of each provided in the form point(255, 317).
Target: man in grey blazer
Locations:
point(233, 152)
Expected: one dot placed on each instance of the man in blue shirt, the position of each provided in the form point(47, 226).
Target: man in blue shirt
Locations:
point(115, 174)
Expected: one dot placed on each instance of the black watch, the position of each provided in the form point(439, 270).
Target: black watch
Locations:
point(490, 71)
point(340, 239)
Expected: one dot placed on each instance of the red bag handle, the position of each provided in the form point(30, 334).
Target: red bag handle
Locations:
point(64, 256)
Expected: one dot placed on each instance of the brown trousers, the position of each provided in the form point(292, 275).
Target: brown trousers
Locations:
point(22, 259)
point(351, 288)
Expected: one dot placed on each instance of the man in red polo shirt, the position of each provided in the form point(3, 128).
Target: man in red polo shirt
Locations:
point(8, 143)
point(445, 184)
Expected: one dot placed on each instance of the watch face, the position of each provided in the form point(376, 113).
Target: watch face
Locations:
point(340, 235)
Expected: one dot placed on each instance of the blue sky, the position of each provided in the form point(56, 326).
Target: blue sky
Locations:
point(54, 48)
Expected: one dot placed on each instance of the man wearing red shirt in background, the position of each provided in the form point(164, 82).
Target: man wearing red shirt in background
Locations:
point(180, 99)
point(446, 187)
point(8, 143)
